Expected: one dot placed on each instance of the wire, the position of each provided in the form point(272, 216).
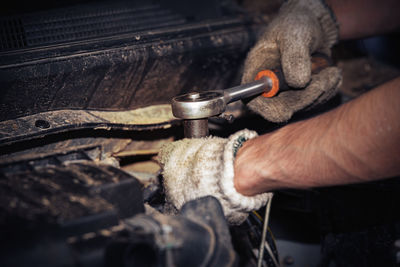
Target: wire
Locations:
point(271, 254)
point(257, 215)
point(264, 235)
point(272, 235)
point(269, 229)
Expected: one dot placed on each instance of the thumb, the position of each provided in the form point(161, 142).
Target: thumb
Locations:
point(296, 62)
point(264, 55)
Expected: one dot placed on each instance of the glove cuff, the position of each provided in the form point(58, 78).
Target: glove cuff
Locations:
point(323, 13)
point(237, 201)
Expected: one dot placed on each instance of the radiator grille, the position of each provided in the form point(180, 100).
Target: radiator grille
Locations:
point(81, 23)
point(12, 34)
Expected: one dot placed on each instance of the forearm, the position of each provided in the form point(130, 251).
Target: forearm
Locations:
point(363, 18)
point(359, 141)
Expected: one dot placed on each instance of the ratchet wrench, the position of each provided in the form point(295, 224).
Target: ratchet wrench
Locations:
point(196, 107)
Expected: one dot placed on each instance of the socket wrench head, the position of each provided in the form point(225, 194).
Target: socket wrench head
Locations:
point(198, 105)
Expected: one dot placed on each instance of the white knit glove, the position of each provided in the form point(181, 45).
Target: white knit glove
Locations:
point(301, 28)
point(194, 168)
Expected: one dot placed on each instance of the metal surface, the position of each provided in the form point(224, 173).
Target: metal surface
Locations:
point(247, 90)
point(212, 103)
point(195, 128)
point(264, 236)
point(196, 107)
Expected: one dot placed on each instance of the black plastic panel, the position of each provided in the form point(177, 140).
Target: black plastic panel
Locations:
point(116, 58)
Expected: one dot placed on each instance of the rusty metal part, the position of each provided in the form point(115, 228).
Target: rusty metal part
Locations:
point(195, 128)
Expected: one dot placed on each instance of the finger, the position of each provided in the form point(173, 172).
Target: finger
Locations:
point(272, 109)
point(281, 108)
point(322, 87)
point(264, 55)
point(327, 82)
point(296, 61)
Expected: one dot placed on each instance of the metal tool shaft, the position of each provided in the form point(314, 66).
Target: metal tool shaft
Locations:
point(247, 90)
point(195, 128)
point(195, 108)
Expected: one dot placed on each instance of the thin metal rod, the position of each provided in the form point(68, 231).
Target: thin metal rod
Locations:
point(264, 234)
point(271, 254)
point(247, 90)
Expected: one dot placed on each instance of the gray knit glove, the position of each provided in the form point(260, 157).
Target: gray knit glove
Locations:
point(301, 28)
point(194, 168)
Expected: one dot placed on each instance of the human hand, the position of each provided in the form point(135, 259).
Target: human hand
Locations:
point(198, 167)
point(301, 28)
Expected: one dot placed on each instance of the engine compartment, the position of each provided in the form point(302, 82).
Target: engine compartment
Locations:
point(85, 93)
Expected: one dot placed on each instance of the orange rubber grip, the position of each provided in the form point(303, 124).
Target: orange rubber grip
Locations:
point(319, 61)
point(274, 79)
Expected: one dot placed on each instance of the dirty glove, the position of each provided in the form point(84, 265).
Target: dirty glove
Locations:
point(194, 168)
point(301, 28)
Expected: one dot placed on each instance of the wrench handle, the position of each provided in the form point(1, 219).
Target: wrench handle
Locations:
point(319, 61)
